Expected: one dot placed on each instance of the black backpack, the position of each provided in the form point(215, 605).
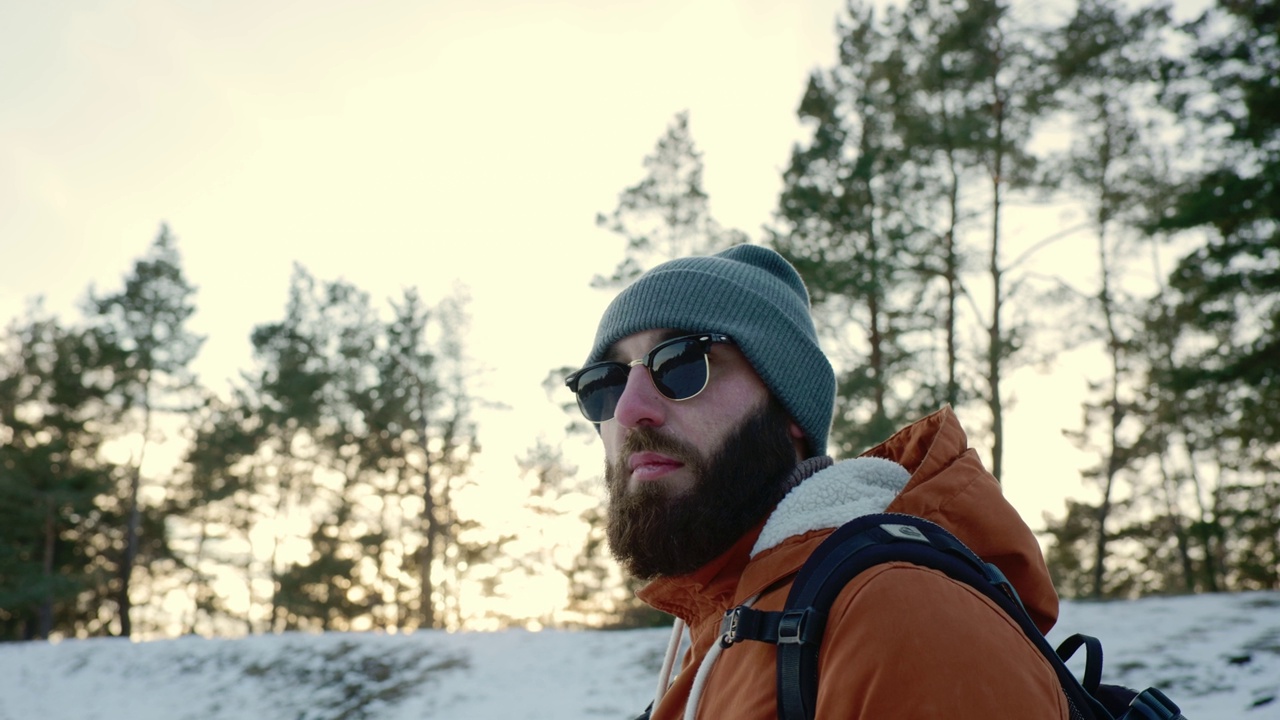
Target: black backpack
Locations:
point(874, 539)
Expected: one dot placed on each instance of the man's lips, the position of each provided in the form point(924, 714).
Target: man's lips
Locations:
point(647, 465)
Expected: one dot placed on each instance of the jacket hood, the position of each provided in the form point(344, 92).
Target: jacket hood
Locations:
point(950, 486)
point(927, 470)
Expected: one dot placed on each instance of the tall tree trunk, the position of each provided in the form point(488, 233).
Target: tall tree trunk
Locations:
point(995, 335)
point(1217, 560)
point(277, 614)
point(130, 553)
point(134, 522)
point(875, 311)
point(1175, 521)
point(199, 586)
point(1115, 416)
point(1111, 469)
point(427, 553)
point(1205, 524)
point(951, 270)
point(44, 617)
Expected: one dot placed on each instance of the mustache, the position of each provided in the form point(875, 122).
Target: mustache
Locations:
point(645, 439)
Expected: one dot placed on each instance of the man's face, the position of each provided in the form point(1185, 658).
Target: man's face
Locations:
point(733, 391)
point(686, 479)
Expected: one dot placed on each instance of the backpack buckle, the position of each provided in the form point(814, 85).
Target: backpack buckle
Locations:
point(729, 626)
point(798, 627)
point(1151, 704)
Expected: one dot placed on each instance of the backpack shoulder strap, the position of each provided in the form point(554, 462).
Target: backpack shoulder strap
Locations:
point(858, 545)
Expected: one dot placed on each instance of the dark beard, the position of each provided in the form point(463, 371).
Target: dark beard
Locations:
point(654, 531)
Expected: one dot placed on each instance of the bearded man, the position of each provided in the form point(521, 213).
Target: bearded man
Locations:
point(713, 401)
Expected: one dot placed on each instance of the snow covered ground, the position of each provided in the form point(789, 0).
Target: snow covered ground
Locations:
point(1217, 655)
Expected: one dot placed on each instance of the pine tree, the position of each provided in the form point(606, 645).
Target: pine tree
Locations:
point(216, 506)
point(987, 80)
point(843, 223)
point(667, 214)
point(1107, 62)
point(348, 437)
point(424, 358)
point(144, 325)
point(1228, 290)
point(55, 491)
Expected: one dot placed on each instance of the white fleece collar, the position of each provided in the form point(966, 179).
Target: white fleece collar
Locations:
point(831, 497)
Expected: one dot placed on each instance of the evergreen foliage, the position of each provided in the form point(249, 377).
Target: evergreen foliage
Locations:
point(931, 122)
point(354, 433)
point(1192, 430)
point(919, 134)
point(142, 328)
point(848, 233)
point(666, 214)
point(1108, 62)
point(322, 485)
point(1227, 291)
point(58, 559)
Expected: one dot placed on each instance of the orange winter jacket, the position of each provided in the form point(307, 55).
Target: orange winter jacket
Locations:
point(902, 642)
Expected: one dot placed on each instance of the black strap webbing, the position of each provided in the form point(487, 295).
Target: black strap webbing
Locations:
point(858, 545)
point(1093, 658)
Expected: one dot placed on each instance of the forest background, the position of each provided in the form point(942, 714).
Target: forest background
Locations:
point(977, 194)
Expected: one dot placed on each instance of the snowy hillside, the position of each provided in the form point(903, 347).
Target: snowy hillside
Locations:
point(1218, 656)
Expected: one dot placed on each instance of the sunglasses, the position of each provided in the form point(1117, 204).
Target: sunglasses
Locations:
point(679, 368)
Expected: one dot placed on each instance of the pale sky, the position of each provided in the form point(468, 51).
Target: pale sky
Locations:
point(398, 144)
point(392, 144)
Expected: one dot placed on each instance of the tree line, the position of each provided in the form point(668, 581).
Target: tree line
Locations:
point(1158, 142)
point(319, 491)
point(316, 494)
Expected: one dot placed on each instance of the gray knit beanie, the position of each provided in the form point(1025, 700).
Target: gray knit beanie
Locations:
point(751, 294)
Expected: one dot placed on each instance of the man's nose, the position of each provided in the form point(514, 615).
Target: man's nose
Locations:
point(640, 403)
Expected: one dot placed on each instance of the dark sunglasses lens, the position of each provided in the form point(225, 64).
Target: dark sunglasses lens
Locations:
point(680, 369)
point(599, 389)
